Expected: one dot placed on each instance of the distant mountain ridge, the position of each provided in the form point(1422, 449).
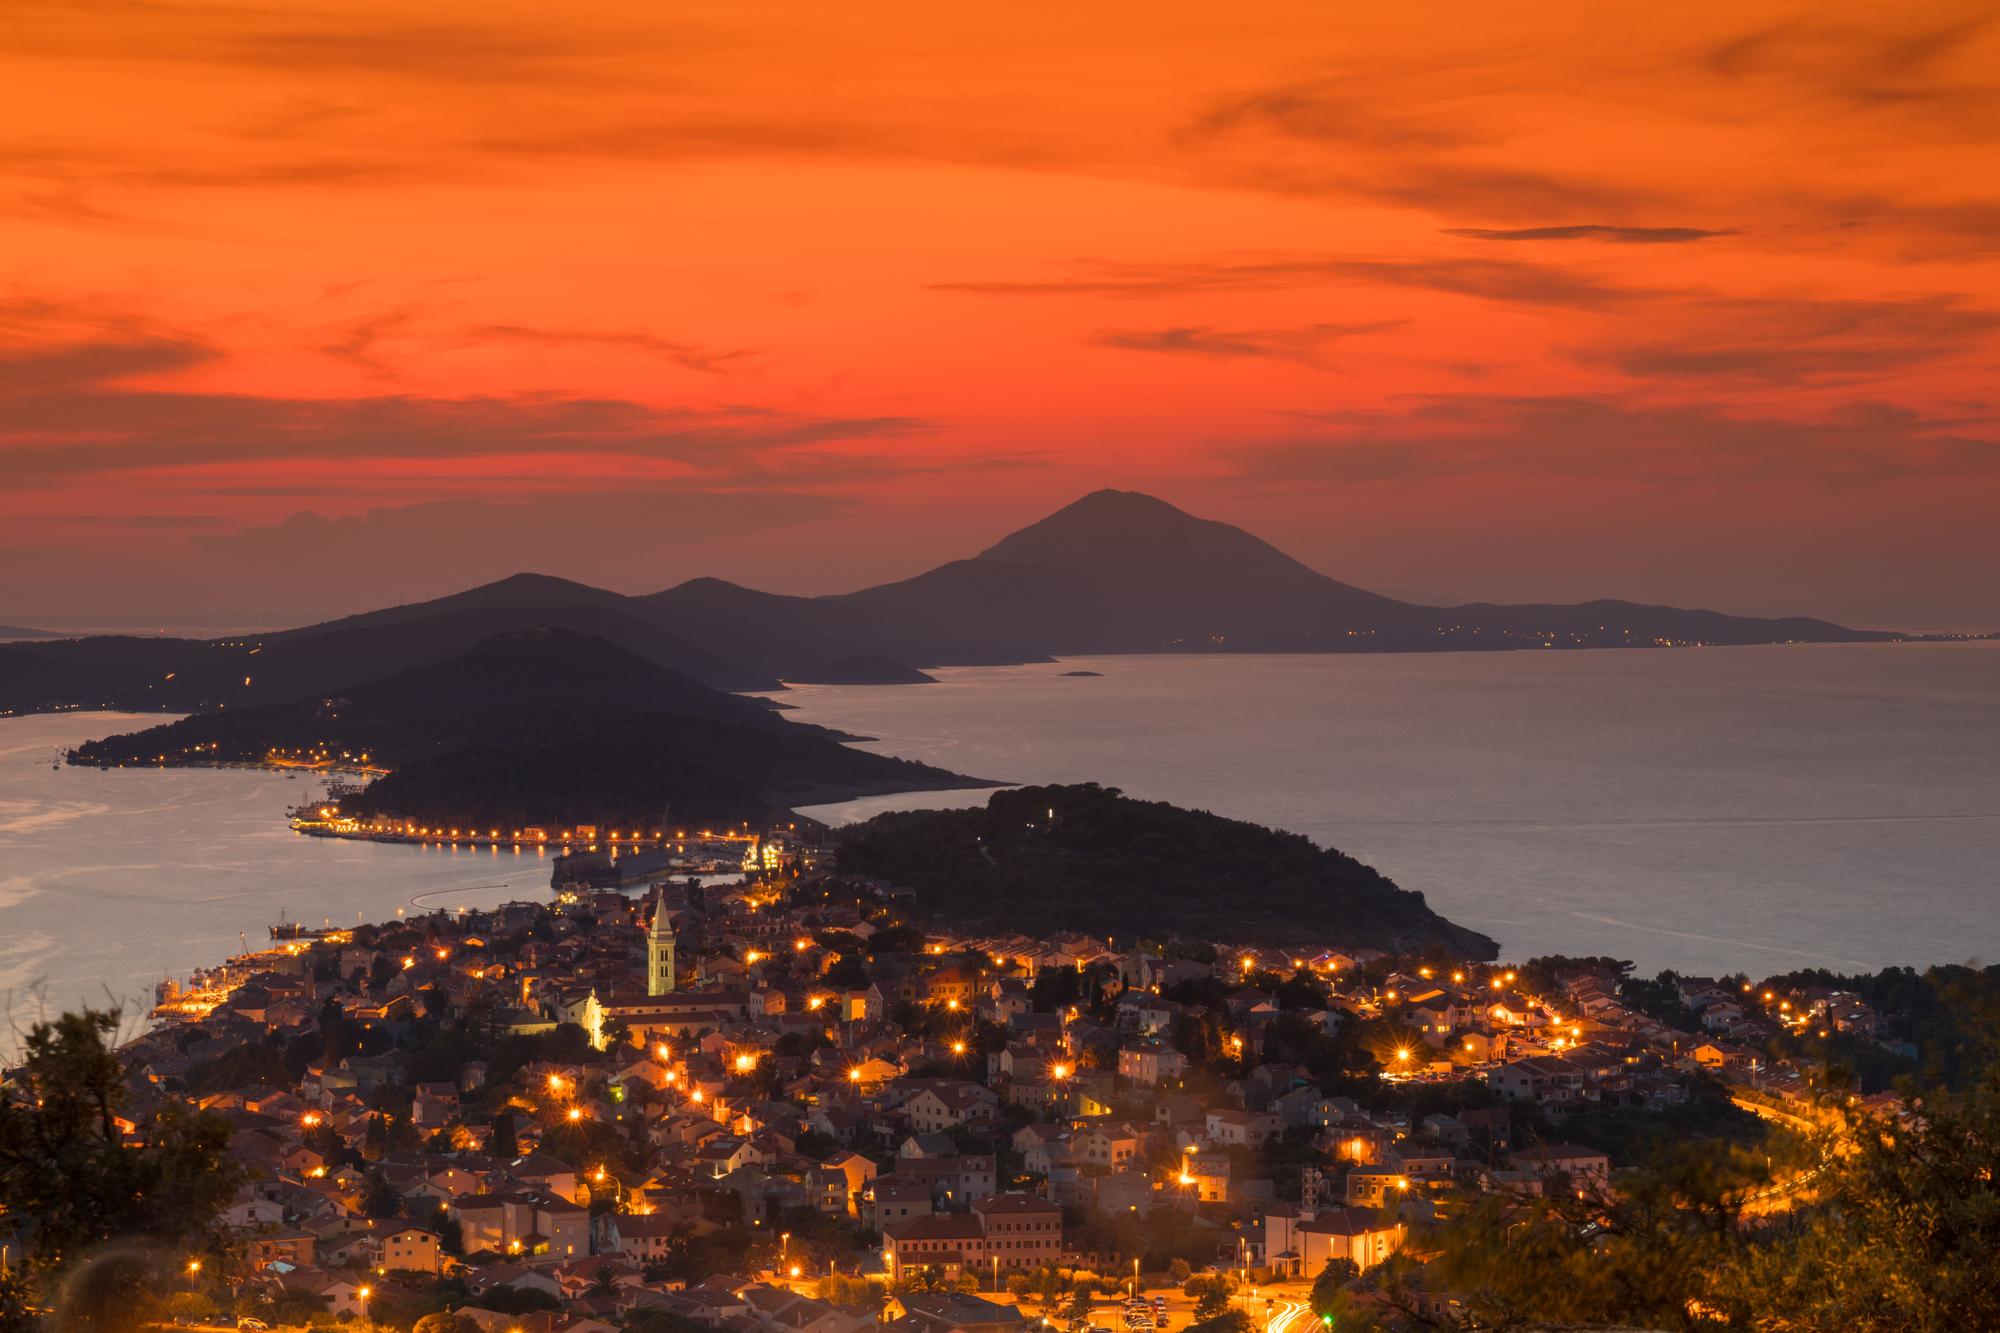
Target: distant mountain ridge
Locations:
point(1114, 572)
point(153, 674)
point(1122, 572)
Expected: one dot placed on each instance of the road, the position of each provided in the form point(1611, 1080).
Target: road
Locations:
point(1782, 1195)
point(1289, 1317)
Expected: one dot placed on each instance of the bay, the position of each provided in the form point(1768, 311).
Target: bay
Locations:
point(112, 879)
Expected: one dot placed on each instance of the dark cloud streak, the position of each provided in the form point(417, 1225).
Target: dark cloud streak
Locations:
point(1591, 232)
point(1437, 436)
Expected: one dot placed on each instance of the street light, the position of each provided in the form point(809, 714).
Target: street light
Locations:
point(363, 1294)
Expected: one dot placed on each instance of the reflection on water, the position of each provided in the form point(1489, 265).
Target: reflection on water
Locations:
point(110, 880)
point(1707, 810)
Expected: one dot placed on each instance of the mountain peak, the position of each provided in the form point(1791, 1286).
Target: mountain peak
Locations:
point(527, 586)
point(1134, 532)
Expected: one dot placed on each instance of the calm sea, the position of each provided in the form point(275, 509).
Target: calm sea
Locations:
point(1708, 810)
point(111, 879)
point(1702, 809)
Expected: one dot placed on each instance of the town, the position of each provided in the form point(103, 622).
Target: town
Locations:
point(786, 1103)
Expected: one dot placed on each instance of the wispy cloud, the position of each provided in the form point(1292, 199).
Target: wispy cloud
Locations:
point(68, 409)
point(1432, 436)
point(1304, 344)
point(709, 360)
point(1790, 340)
point(1504, 280)
point(1592, 232)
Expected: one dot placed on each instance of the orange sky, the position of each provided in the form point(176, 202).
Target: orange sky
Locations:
point(312, 306)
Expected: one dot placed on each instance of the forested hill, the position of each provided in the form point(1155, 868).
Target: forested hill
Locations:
point(623, 770)
point(544, 727)
point(543, 678)
point(1041, 859)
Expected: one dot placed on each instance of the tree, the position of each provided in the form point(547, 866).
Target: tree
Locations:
point(1225, 1321)
point(1211, 1295)
point(1327, 1297)
point(839, 1289)
point(74, 1183)
point(444, 1321)
point(1905, 1237)
point(503, 1142)
point(451, 1233)
point(379, 1199)
point(1639, 1256)
point(516, 1300)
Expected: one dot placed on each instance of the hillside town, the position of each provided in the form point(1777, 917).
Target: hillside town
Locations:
point(789, 1104)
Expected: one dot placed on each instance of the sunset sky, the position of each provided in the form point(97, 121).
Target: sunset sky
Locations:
point(309, 307)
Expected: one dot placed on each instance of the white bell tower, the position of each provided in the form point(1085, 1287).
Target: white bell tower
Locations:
point(659, 948)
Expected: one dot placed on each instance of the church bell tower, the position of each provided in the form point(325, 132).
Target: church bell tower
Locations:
point(660, 948)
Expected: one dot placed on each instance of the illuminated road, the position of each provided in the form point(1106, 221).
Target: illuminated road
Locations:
point(1781, 1195)
point(1290, 1317)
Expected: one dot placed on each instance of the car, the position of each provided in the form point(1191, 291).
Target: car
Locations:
point(253, 1326)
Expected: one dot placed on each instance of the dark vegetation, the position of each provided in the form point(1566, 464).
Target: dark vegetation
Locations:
point(628, 770)
point(1900, 1238)
point(1040, 859)
point(108, 1215)
point(524, 681)
point(543, 727)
